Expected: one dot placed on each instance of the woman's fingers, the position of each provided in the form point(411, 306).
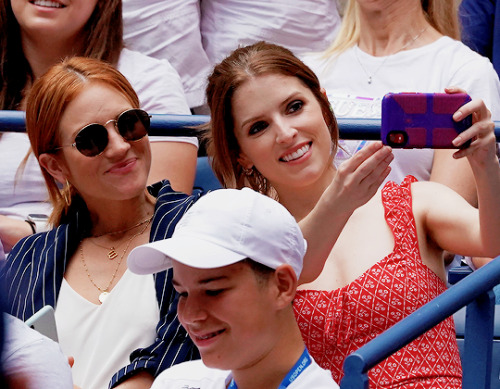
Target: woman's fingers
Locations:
point(365, 160)
point(361, 175)
point(482, 132)
point(454, 89)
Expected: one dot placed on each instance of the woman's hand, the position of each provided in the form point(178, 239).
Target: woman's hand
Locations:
point(359, 177)
point(482, 157)
point(356, 181)
point(483, 146)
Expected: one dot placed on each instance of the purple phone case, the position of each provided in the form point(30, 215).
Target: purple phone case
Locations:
point(422, 120)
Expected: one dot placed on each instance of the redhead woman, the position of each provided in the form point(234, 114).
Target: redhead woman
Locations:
point(270, 131)
point(34, 35)
point(89, 135)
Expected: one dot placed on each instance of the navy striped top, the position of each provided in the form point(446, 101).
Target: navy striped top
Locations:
point(34, 270)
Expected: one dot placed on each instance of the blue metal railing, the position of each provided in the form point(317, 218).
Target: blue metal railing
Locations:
point(475, 292)
point(349, 128)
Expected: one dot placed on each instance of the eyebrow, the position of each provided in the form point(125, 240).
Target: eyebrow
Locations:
point(203, 281)
point(284, 102)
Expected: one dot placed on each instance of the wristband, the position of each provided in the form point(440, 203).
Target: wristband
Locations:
point(38, 222)
point(32, 225)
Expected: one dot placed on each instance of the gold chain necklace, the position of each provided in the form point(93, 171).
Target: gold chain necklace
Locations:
point(112, 254)
point(370, 76)
point(125, 230)
point(105, 291)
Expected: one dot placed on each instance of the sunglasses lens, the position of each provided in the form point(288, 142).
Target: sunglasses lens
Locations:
point(133, 124)
point(92, 140)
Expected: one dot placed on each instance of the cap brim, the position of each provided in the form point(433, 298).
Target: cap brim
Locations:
point(157, 256)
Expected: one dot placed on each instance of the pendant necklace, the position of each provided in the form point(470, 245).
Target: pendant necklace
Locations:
point(105, 291)
point(370, 76)
point(112, 254)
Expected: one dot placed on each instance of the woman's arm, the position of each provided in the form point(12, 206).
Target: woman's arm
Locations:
point(451, 222)
point(12, 230)
point(482, 156)
point(356, 181)
point(176, 162)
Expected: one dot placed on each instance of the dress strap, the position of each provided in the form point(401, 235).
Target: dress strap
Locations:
point(398, 210)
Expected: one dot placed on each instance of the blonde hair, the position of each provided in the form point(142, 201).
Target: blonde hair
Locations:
point(441, 14)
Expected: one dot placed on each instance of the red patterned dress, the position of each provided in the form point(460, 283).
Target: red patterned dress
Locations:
point(336, 323)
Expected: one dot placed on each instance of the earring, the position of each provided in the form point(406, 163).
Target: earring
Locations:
point(248, 171)
point(66, 193)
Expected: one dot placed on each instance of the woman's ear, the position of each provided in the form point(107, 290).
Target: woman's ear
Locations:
point(244, 161)
point(323, 90)
point(53, 166)
point(286, 282)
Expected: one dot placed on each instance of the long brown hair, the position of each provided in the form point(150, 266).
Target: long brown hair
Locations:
point(45, 105)
point(441, 14)
point(102, 37)
point(241, 65)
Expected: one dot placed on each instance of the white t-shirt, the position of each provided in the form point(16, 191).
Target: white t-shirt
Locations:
point(155, 81)
point(170, 30)
point(24, 192)
point(158, 86)
point(35, 357)
point(194, 374)
point(431, 68)
point(299, 25)
point(101, 337)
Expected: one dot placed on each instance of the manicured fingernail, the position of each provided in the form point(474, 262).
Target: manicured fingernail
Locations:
point(457, 115)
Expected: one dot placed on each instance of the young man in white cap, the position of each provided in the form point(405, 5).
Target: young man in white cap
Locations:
point(236, 258)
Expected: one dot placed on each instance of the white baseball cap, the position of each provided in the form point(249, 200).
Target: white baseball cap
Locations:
point(224, 227)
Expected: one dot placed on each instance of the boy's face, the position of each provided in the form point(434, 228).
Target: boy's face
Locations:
point(228, 314)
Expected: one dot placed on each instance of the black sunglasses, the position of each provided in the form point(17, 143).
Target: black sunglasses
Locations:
point(92, 140)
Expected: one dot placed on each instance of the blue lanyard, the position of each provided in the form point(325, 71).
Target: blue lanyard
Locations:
point(360, 146)
point(304, 361)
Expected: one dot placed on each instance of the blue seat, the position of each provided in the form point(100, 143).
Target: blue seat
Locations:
point(205, 179)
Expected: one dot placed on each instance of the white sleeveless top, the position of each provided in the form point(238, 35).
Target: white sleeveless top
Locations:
point(101, 337)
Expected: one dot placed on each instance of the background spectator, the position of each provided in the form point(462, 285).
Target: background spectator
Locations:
point(400, 46)
point(480, 21)
point(31, 360)
point(170, 30)
point(299, 25)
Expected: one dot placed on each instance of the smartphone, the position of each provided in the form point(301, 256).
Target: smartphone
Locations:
point(422, 120)
point(44, 321)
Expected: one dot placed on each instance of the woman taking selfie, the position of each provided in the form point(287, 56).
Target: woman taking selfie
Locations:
point(272, 130)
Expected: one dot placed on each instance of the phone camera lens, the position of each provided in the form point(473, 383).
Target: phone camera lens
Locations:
point(397, 138)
